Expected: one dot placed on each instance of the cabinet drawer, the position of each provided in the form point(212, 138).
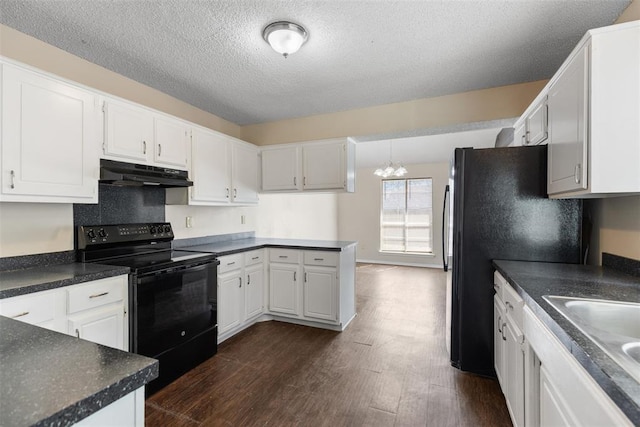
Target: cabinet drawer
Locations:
point(253, 257)
point(287, 256)
point(329, 259)
point(514, 304)
point(33, 309)
point(96, 294)
point(499, 283)
point(230, 263)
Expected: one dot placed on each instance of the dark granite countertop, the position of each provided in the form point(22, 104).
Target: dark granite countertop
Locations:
point(229, 247)
point(532, 280)
point(35, 279)
point(48, 378)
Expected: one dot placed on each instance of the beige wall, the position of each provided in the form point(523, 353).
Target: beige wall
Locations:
point(631, 13)
point(476, 106)
point(28, 50)
point(298, 216)
point(359, 216)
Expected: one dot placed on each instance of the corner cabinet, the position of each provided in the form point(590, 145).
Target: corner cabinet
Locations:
point(224, 171)
point(49, 141)
point(327, 165)
point(594, 105)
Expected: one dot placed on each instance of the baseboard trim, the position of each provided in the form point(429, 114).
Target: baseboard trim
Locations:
point(404, 264)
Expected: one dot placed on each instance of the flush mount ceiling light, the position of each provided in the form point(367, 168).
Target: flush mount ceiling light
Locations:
point(390, 168)
point(285, 37)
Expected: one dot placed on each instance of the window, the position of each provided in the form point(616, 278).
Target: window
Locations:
point(406, 218)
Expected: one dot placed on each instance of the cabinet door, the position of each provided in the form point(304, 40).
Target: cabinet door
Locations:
point(103, 326)
point(567, 100)
point(520, 134)
point(49, 140)
point(210, 167)
point(128, 132)
point(171, 139)
point(324, 166)
point(537, 125)
point(499, 339)
point(320, 284)
point(281, 169)
point(283, 288)
point(245, 174)
point(514, 372)
point(553, 409)
point(254, 290)
point(230, 302)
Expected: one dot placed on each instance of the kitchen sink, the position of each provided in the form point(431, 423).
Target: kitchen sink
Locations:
point(613, 325)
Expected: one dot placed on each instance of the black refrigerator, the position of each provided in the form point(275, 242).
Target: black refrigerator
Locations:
point(496, 207)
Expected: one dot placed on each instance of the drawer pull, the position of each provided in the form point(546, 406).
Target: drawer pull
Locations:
point(20, 315)
point(231, 263)
point(98, 295)
point(77, 333)
point(318, 259)
point(284, 256)
point(509, 305)
point(255, 258)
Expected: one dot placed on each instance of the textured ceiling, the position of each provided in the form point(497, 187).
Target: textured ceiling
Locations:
point(360, 53)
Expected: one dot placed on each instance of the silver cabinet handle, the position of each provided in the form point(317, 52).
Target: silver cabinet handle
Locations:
point(576, 173)
point(283, 256)
point(248, 279)
point(24, 313)
point(227, 193)
point(509, 306)
point(294, 276)
point(159, 150)
point(235, 193)
point(305, 277)
point(240, 280)
point(503, 337)
point(255, 258)
point(77, 333)
point(13, 178)
point(295, 181)
point(318, 259)
point(231, 263)
point(98, 295)
point(144, 147)
point(526, 139)
point(500, 324)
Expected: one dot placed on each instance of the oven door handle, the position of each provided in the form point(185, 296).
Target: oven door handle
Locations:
point(194, 266)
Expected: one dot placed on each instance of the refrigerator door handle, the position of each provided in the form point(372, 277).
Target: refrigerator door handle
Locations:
point(444, 229)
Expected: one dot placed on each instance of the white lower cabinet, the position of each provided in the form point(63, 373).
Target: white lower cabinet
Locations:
point(567, 395)
point(95, 311)
point(128, 411)
point(319, 292)
point(240, 291)
point(509, 346)
point(283, 288)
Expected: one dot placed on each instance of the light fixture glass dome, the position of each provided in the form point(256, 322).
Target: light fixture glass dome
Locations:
point(285, 37)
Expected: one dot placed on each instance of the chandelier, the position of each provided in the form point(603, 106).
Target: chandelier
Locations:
point(390, 168)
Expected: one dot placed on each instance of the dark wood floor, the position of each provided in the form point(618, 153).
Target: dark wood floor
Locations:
point(388, 368)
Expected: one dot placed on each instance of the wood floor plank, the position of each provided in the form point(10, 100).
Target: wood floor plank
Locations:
point(389, 367)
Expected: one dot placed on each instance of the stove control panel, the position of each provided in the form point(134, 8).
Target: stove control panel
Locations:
point(95, 235)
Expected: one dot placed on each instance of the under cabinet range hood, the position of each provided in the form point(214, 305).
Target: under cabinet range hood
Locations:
point(130, 174)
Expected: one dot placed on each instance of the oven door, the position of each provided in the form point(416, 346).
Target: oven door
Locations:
point(173, 306)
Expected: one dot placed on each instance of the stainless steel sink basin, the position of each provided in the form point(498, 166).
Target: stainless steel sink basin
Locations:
point(614, 326)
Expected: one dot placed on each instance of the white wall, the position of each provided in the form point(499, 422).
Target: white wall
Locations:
point(298, 216)
point(359, 215)
point(31, 228)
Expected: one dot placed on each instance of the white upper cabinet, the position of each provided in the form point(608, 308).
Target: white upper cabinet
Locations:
point(536, 125)
point(135, 134)
point(171, 142)
point(128, 131)
point(320, 165)
point(224, 171)
point(281, 169)
point(244, 178)
point(567, 126)
point(594, 106)
point(50, 139)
